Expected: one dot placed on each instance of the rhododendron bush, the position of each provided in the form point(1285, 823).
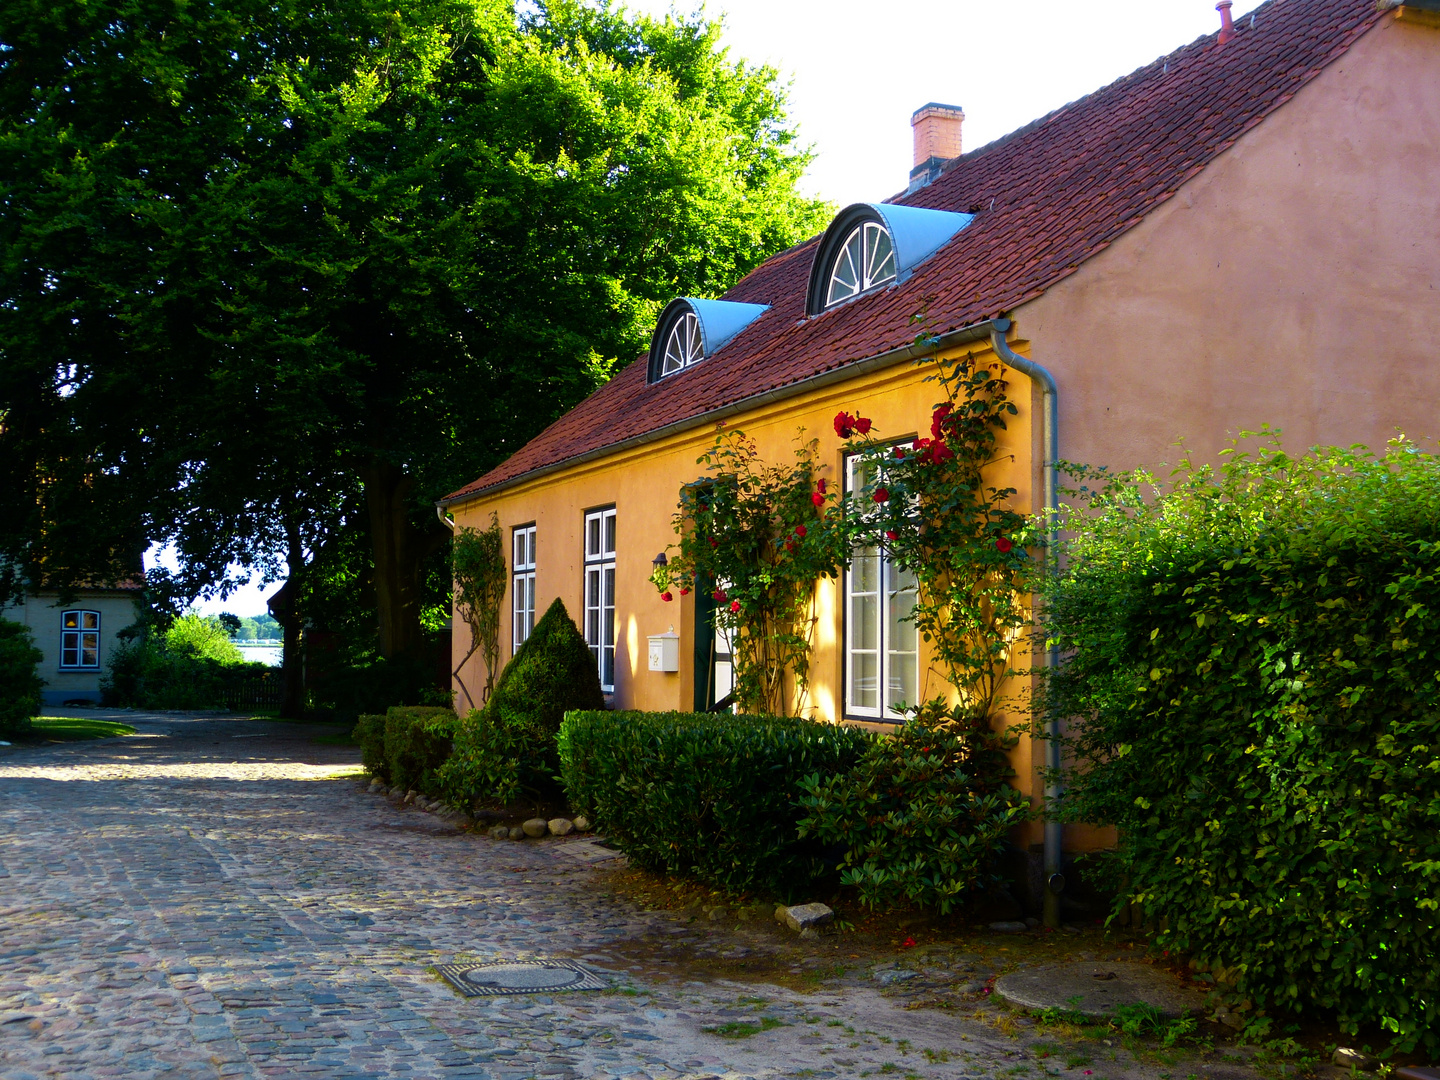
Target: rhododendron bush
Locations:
point(759, 537)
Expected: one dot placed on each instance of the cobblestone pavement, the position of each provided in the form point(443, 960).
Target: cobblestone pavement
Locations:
point(208, 899)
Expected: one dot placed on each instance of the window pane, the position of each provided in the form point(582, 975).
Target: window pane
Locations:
point(70, 651)
point(610, 534)
point(90, 649)
point(71, 620)
point(592, 536)
point(904, 685)
point(530, 548)
point(864, 621)
point(90, 620)
point(865, 571)
point(608, 615)
point(864, 680)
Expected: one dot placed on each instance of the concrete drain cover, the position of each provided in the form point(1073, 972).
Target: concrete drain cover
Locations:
point(520, 977)
point(1096, 989)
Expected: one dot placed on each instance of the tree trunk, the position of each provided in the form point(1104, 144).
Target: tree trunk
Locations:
point(397, 548)
point(285, 608)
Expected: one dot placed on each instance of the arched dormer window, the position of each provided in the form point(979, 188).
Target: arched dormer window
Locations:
point(690, 330)
point(871, 245)
point(683, 345)
point(866, 259)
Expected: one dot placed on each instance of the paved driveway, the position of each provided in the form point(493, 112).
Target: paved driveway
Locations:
point(208, 899)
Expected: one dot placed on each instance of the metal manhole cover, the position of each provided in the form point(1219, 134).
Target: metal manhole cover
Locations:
point(520, 977)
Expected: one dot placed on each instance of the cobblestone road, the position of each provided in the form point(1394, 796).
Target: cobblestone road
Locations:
point(208, 899)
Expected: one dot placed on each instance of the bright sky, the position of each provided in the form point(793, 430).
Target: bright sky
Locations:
point(857, 69)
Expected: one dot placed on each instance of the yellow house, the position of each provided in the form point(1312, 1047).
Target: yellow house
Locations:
point(1244, 231)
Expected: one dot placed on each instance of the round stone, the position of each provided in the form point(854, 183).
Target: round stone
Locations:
point(581, 823)
point(500, 832)
point(1097, 989)
point(560, 826)
point(535, 827)
point(517, 833)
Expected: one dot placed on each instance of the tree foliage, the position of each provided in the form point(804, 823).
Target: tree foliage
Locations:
point(1251, 681)
point(270, 268)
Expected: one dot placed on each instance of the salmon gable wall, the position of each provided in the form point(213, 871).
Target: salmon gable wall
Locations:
point(1295, 281)
point(644, 486)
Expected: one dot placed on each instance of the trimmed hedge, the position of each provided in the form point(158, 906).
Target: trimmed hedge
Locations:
point(507, 749)
point(406, 746)
point(710, 795)
point(20, 682)
point(369, 732)
point(1254, 654)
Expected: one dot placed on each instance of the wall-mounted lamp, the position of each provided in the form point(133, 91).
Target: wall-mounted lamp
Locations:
point(659, 561)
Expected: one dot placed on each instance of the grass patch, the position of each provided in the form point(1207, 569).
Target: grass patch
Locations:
point(67, 729)
point(743, 1029)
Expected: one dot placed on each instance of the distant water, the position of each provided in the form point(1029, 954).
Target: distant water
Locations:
point(261, 653)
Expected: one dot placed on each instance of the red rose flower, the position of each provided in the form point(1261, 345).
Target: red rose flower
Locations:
point(891, 534)
point(844, 425)
point(881, 495)
point(800, 530)
point(685, 591)
point(789, 545)
point(820, 485)
point(818, 499)
point(720, 596)
point(920, 444)
point(908, 943)
point(939, 453)
point(714, 543)
point(862, 425)
point(899, 451)
point(666, 597)
point(1003, 544)
point(734, 605)
point(938, 419)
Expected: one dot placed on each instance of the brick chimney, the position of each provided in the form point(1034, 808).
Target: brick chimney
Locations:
point(937, 140)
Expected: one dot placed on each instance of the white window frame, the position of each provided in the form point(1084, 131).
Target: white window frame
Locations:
point(522, 585)
point(684, 346)
point(890, 585)
point(599, 541)
point(80, 639)
point(868, 271)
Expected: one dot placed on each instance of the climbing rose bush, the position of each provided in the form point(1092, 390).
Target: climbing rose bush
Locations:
point(759, 537)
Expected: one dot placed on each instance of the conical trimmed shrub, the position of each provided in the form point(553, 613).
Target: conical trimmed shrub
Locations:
point(507, 749)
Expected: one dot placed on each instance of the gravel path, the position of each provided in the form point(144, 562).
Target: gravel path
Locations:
point(209, 898)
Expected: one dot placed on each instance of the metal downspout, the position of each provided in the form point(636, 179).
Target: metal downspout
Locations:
point(445, 519)
point(1049, 442)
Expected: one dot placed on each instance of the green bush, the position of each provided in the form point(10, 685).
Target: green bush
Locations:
point(706, 794)
point(186, 667)
point(369, 732)
point(417, 742)
point(507, 749)
point(20, 682)
point(925, 814)
point(1253, 655)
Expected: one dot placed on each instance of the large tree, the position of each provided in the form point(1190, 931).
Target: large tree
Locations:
point(406, 236)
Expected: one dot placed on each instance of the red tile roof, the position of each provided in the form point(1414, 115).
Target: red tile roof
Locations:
point(1047, 197)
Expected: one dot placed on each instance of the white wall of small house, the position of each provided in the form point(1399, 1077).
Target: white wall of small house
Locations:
point(43, 613)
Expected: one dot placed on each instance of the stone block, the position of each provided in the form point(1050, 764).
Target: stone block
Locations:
point(805, 916)
point(560, 826)
point(535, 827)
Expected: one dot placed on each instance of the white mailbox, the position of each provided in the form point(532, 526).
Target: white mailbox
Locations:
point(665, 651)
